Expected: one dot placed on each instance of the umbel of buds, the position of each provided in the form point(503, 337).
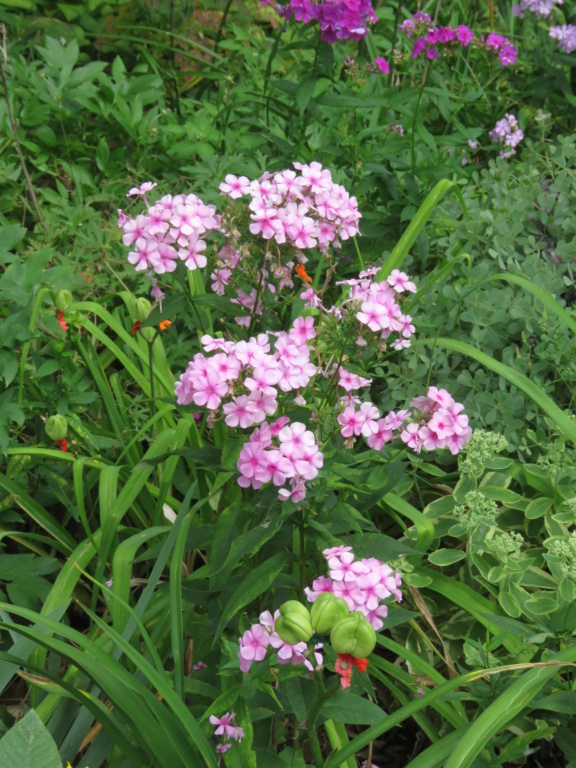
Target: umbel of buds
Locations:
point(293, 625)
point(326, 611)
point(56, 427)
point(353, 635)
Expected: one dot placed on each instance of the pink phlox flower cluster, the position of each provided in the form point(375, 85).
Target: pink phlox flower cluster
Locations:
point(173, 228)
point(432, 41)
point(226, 728)
point(508, 134)
point(256, 640)
point(279, 453)
point(364, 584)
point(379, 309)
point(338, 19)
point(542, 8)
point(438, 423)
point(304, 208)
point(507, 53)
point(566, 37)
point(247, 374)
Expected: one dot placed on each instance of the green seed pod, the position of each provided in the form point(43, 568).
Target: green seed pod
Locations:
point(139, 308)
point(326, 611)
point(56, 427)
point(293, 625)
point(63, 300)
point(354, 635)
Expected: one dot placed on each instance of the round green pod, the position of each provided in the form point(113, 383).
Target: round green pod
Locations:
point(354, 635)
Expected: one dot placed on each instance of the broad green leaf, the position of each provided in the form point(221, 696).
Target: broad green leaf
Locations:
point(444, 557)
point(28, 744)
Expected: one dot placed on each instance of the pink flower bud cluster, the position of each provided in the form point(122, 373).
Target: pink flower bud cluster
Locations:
point(566, 37)
point(433, 41)
point(508, 134)
point(364, 584)
point(437, 423)
point(542, 8)
point(226, 728)
point(338, 19)
point(255, 642)
point(378, 308)
point(172, 229)
point(306, 209)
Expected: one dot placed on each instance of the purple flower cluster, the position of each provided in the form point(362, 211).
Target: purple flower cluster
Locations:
point(432, 40)
point(338, 19)
point(255, 642)
point(363, 584)
point(305, 210)
point(508, 134)
point(542, 8)
point(566, 37)
point(438, 422)
point(172, 229)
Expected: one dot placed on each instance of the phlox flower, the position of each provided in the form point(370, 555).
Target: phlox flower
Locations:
point(226, 726)
point(253, 645)
point(234, 186)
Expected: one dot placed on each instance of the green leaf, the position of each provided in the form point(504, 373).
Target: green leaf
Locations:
point(419, 221)
point(28, 744)
point(510, 604)
point(444, 557)
point(255, 584)
point(346, 707)
point(537, 508)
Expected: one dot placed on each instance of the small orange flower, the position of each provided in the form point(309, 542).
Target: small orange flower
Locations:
point(164, 324)
point(300, 270)
point(61, 322)
point(344, 665)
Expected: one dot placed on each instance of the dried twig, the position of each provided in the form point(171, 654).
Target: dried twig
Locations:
point(14, 127)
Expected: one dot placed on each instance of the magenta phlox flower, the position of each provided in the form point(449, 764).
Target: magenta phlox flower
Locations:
point(382, 65)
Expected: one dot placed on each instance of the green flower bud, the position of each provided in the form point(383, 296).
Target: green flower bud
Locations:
point(139, 308)
point(293, 625)
point(63, 300)
point(326, 611)
point(56, 427)
point(354, 635)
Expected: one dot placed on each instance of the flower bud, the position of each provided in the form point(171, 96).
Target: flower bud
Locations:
point(326, 611)
point(63, 300)
point(293, 625)
point(139, 308)
point(56, 427)
point(354, 635)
